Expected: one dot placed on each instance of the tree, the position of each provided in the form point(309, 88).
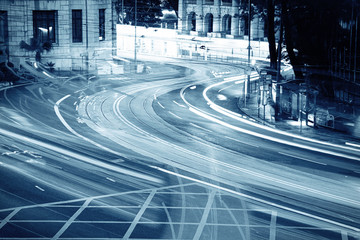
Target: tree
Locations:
point(36, 46)
point(148, 12)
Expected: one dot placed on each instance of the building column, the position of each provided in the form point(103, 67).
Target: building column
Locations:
point(217, 18)
point(199, 17)
point(255, 27)
point(242, 27)
point(182, 15)
point(235, 19)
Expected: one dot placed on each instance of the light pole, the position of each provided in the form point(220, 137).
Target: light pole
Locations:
point(249, 50)
point(135, 23)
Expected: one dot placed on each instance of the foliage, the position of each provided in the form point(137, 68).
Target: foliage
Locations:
point(36, 46)
point(148, 12)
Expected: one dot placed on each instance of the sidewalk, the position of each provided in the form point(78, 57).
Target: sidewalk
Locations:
point(293, 126)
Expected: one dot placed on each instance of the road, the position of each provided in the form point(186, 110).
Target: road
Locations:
point(164, 155)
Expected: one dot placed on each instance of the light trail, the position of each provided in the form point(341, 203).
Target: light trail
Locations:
point(238, 117)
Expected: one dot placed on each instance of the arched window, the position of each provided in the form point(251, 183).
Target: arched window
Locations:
point(209, 20)
point(226, 24)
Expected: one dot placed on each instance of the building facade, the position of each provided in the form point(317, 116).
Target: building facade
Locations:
point(218, 18)
point(80, 31)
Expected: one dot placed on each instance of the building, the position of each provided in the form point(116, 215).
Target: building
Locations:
point(218, 18)
point(80, 31)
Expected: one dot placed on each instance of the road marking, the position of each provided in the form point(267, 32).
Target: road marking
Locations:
point(72, 219)
point(7, 219)
point(259, 199)
point(180, 105)
point(237, 140)
point(139, 215)
point(205, 215)
point(224, 88)
point(161, 105)
point(175, 115)
point(170, 220)
point(110, 179)
point(197, 126)
point(344, 235)
point(41, 189)
point(273, 225)
point(298, 157)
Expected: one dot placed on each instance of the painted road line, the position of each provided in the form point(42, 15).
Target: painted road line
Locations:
point(180, 105)
point(298, 157)
point(161, 105)
point(237, 140)
point(110, 179)
point(41, 189)
point(175, 115)
point(197, 126)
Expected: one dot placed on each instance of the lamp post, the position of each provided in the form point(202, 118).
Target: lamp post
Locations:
point(135, 23)
point(249, 50)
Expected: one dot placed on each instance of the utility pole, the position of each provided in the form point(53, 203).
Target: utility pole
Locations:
point(135, 47)
point(278, 109)
point(351, 36)
point(249, 50)
point(355, 52)
point(87, 36)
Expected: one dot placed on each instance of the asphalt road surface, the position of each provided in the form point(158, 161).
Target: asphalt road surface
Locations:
point(164, 154)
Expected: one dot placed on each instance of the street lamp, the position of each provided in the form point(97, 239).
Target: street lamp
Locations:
point(249, 50)
point(135, 23)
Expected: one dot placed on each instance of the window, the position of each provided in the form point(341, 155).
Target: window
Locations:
point(101, 24)
point(77, 26)
point(3, 27)
point(44, 25)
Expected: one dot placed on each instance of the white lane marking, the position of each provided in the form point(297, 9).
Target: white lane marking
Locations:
point(199, 127)
point(161, 105)
point(353, 144)
point(344, 235)
point(205, 215)
point(110, 179)
point(223, 89)
point(41, 189)
point(302, 158)
point(175, 115)
point(258, 199)
point(180, 105)
point(193, 87)
point(154, 96)
point(237, 140)
point(71, 220)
